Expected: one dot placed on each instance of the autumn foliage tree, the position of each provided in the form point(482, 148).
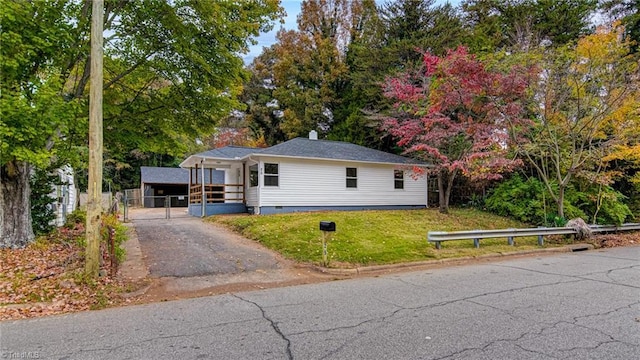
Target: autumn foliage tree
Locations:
point(457, 115)
point(587, 116)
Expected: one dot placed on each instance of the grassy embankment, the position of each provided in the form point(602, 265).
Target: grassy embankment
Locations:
point(374, 237)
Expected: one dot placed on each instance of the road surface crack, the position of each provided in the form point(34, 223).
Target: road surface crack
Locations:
point(274, 325)
point(582, 277)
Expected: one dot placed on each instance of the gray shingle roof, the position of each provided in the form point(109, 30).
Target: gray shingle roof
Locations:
point(163, 175)
point(306, 148)
point(177, 176)
point(336, 150)
point(229, 152)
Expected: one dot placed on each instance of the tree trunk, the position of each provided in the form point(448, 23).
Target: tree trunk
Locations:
point(443, 197)
point(15, 207)
point(560, 201)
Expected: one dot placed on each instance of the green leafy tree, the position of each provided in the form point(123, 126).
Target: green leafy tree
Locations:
point(33, 111)
point(263, 114)
point(310, 70)
point(171, 70)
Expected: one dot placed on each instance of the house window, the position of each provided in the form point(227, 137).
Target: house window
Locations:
point(352, 177)
point(253, 175)
point(270, 174)
point(398, 179)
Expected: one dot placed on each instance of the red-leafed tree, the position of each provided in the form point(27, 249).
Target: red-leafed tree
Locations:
point(457, 114)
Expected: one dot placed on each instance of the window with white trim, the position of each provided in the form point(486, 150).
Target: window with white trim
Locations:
point(271, 174)
point(352, 178)
point(398, 179)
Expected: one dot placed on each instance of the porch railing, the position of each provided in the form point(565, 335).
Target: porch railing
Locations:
point(217, 193)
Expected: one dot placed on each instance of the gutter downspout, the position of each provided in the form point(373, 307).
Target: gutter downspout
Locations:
point(258, 187)
point(426, 205)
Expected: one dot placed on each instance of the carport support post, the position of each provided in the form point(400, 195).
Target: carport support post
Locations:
point(203, 198)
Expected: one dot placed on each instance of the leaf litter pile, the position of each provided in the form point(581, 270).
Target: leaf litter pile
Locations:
point(47, 277)
point(614, 240)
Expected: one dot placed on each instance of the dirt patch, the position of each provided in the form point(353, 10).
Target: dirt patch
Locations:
point(164, 289)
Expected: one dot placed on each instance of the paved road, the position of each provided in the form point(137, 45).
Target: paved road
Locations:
point(569, 306)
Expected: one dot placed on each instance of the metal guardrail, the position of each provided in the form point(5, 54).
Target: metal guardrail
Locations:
point(438, 236)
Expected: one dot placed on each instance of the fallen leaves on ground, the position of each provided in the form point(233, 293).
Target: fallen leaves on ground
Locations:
point(47, 277)
point(614, 240)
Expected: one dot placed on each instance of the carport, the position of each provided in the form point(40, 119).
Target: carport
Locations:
point(156, 183)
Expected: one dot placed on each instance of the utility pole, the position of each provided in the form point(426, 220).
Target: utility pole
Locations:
point(94, 204)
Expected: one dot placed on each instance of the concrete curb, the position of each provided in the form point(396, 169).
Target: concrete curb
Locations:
point(133, 268)
point(448, 261)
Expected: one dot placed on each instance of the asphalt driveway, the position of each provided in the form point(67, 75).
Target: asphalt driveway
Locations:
point(187, 246)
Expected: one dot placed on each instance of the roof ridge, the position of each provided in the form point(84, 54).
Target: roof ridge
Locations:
point(236, 146)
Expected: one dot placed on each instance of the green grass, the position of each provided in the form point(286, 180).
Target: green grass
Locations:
point(374, 237)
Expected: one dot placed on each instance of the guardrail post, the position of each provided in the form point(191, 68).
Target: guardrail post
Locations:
point(510, 240)
point(540, 240)
point(476, 243)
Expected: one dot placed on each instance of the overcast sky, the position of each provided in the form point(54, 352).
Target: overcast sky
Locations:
point(292, 7)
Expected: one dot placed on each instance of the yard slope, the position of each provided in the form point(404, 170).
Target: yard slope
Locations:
point(374, 237)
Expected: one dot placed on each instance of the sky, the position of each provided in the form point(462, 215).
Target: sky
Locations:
point(292, 8)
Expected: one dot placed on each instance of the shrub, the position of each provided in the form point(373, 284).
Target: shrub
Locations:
point(522, 200)
point(111, 221)
point(76, 217)
point(612, 208)
point(529, 201)
point(42, 214)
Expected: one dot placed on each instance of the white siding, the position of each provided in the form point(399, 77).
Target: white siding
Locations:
point(323, 183)
point(251, 193)
point(64, 195)
point(233, 176)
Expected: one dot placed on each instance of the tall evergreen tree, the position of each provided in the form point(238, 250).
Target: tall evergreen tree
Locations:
point(524, 24)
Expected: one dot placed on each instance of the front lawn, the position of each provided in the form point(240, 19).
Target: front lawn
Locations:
point(374, 237)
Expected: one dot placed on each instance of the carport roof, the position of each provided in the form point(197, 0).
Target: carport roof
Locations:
point(175, 176)
point(163, 175)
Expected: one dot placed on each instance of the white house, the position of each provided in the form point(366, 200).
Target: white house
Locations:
point(64, 195)
point(304, 174)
